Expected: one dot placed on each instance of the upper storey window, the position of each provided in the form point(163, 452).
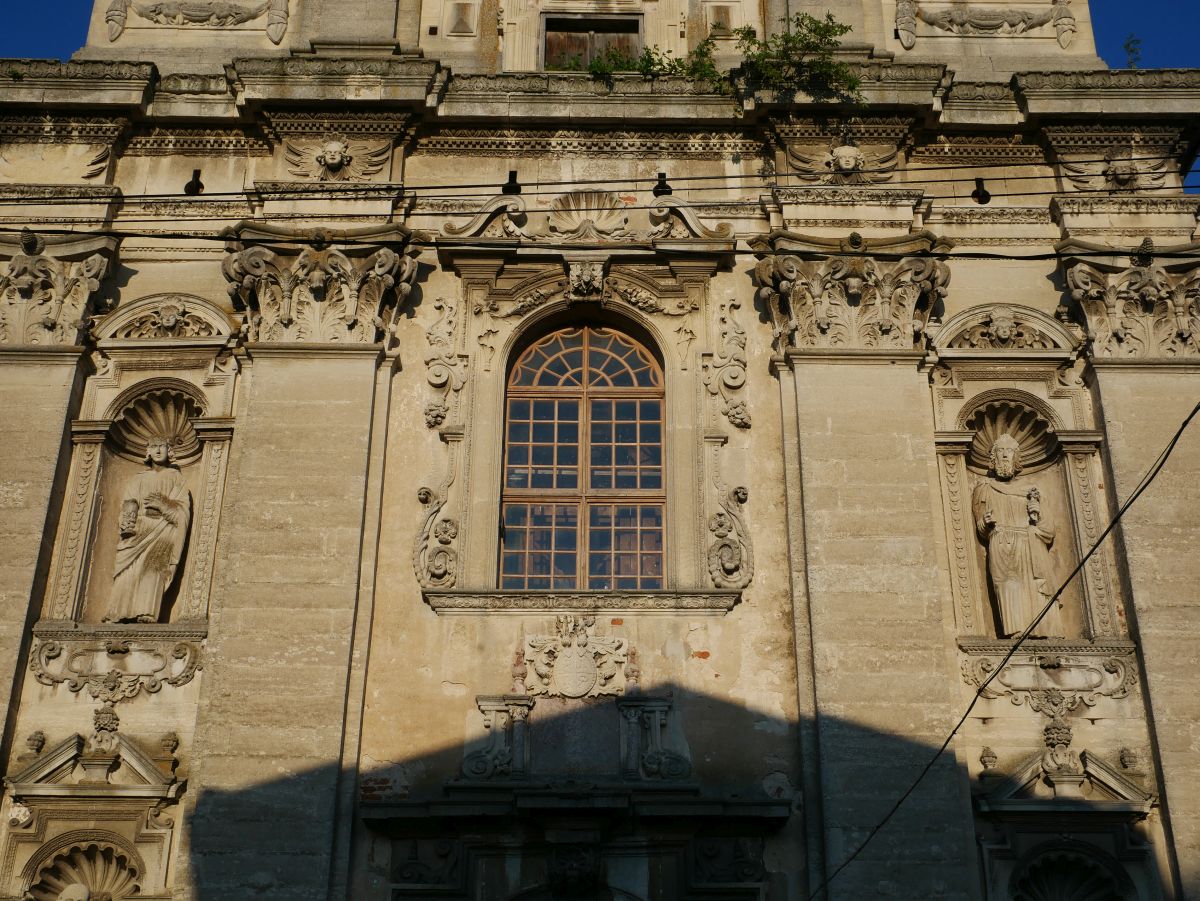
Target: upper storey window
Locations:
point(582, 505)
point(572, 42)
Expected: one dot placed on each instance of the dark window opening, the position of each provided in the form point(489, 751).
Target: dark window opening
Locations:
point(572, 42)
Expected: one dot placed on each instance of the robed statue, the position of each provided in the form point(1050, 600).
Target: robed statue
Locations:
point(1009, 522)
point(155, 513)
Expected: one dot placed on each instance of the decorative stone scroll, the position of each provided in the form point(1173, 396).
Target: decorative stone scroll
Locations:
point(859, 293)
point(1045, 674)
point(980, 20)
point(575, 662)
point(730, 556)
point(304, 287)
point(116, 667)
point(199, 13)
point(725, 371)
point(1142, 308)
point(48, 287)
point(445, 369)
point(505, 754)
point(653, 748)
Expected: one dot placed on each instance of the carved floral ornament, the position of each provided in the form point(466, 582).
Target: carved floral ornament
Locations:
point(856, 293)
point(48, 287)
point(308, 288)
point(978, 19)
point(1142, 306)
point(199, 13)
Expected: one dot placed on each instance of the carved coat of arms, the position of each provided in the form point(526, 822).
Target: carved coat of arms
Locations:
point(575, 662)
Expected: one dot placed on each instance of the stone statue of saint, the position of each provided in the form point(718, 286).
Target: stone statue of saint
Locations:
point(1009, 521)
point(155, 513)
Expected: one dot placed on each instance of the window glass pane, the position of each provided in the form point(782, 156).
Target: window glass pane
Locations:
point(626, 450)
point(625, 546)
point(539, 546)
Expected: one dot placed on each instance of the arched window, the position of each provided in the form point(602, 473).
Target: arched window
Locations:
point(582, 504)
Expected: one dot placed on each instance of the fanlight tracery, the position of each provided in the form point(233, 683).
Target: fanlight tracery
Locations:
point(583, 494)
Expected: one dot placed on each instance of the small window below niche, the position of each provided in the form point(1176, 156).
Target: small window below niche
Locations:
point(573, 41)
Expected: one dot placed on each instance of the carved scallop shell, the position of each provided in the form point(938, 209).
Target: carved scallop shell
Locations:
point(1035, 436)
point(1066, 877)
point(104, 871)
point(588, 216)
point(163, 414)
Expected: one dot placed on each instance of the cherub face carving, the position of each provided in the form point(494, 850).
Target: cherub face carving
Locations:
point(334, 156)
point(846, 159)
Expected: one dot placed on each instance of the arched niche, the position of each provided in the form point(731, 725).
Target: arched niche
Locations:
point(141, 510)
point(83, 865)
point(1019, 522)
point(1070, 872)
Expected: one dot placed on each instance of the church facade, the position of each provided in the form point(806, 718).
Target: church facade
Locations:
point(431, 470)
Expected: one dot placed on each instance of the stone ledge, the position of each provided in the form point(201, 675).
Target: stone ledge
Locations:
point(716, 603)
point(69, 630)
point(998, 647)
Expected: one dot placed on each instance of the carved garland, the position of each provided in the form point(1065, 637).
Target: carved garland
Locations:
point(972, 21)
point(202, 13)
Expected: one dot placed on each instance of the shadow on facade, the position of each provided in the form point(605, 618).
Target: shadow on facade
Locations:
point(674, 794)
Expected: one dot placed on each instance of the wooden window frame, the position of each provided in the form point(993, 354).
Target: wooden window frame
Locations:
point(583, 497)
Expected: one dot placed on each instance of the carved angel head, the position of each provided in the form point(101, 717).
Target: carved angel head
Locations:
point(334, 156)
point(1120, 169)
point(845, 159)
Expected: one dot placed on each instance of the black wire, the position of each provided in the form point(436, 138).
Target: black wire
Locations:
point(492, 189)
point(1147, 480)
point(675, 251)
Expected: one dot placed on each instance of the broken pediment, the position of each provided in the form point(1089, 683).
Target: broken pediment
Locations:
point(1093, 785)
point(127, 772)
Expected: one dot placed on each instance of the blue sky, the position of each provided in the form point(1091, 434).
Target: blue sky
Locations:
point(1168, 29)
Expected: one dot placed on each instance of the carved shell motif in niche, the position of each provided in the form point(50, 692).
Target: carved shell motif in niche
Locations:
point(588, 216)
point(102, 871)
point(1036, 438)
point(204, 13)
point(158, 414)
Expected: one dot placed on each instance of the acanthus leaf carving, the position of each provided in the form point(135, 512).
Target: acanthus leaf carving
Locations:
point(1145, 309)
point(725, 372)
point(575, 662)
point(46, 298)
point(319, 292)
point(851, 300)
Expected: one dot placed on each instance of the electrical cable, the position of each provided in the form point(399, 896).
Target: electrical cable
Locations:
point(675, 251)
point(1146, 481)
point(492, 189)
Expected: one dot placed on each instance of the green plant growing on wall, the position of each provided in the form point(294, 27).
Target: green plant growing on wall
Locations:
point(798, 60)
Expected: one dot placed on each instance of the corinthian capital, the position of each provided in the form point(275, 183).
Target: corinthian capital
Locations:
point(319, 287)
point(48, 286)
